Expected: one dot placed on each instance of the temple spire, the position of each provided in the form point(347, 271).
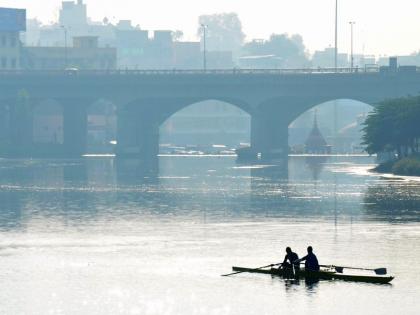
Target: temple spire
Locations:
point(316, 142)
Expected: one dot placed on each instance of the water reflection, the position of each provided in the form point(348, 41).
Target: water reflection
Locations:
point(393, 201)
point(135, 171)
point(315, 164)
point(205, 188)
point(311, 285)
point(108, 227)
point(11, 210)
point(75, 173)
point(273, 173)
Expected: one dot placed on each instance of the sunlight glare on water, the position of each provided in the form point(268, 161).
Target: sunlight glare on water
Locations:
point(94, 237)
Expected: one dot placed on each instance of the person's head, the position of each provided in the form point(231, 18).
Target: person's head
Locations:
point(309, 249)
point(288, 250)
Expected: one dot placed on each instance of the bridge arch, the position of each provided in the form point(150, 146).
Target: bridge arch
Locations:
point(140, 121)
point(48, 123)
point(183, 104)
point(207, 122)
point(339, 121)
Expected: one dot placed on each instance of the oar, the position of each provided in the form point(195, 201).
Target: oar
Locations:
point(234, 273)
point(339, 269)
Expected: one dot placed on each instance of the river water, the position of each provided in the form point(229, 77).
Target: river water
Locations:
point(94, 236)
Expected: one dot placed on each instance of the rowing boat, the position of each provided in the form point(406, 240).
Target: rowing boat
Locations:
point(324, 274)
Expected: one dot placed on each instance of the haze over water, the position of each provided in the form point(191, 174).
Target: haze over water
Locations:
point(94, 236)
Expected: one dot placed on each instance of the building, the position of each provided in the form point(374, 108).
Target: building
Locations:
point(219, 60)
point(72, 22)
point(132, 45)
point(160, 52)
point(83, 55)
point(51, 48)
point(326, 59)
point(73, 15)
point(12, 22)
point(260, 62)
point(316, 144)
point(187, 55)
point(410, 60)
point(32, 35)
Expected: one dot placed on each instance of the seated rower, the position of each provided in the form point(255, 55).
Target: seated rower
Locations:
point(311, 262)
point(289, 260)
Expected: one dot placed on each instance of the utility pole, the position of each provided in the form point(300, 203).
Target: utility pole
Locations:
point(65, 45)
point(351, 45)
point(204, 46)
point(336, 37)
point(335, 69)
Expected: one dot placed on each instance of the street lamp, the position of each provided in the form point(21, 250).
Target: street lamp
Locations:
point(204, 26)
point(65, 45)
point(351, 45)
point(335, 67)
point(336, 37)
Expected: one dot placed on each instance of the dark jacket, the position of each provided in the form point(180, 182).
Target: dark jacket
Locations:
point(311, 262)
point(291, 258)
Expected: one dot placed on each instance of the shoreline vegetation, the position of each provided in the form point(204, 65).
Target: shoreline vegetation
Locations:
point(392, 129)
point(409, 166)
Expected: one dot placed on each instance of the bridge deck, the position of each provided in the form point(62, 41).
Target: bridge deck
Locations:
point(234, 71)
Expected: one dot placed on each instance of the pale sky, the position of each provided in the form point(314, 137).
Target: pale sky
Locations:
point(383, 27)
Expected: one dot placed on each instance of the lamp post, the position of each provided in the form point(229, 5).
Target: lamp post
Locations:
point(335, 69)
point(65, 45)
point(204, 46)
point(336, 37)
point(351, 46)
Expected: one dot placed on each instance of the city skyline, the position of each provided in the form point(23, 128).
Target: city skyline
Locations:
point(373, 34)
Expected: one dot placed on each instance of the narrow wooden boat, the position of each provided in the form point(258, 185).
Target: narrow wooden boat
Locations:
point(324, 274)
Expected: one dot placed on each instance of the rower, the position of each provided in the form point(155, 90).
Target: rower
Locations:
point(289, 260)
point(311, 262)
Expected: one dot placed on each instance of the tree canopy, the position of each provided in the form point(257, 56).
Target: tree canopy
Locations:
point(223, 31)
point(394, 126)
point(290, 50)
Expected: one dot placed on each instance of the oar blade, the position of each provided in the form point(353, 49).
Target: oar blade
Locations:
point(381, 271)
point(339, 269)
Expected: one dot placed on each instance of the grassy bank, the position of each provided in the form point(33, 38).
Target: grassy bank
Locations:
point(407, 166)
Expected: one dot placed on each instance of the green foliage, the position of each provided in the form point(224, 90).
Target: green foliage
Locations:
point(393, 126)
point(407, 166)
point(385, 167)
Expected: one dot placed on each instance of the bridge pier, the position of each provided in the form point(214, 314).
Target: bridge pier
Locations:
point(137, 133)
point(74, 127)
point(4, 126)
point(20, 127)
point(269, 137)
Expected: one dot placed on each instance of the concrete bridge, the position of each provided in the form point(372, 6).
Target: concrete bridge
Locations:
point(145, 99)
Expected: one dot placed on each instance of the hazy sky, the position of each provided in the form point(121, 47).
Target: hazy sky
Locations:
point(383, 27)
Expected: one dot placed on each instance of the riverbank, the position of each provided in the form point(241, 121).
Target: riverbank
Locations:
point(407, 166)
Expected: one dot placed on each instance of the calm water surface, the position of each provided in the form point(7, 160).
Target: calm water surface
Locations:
point(95, 236)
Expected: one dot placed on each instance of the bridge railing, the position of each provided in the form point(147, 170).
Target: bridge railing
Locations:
point(234, 71)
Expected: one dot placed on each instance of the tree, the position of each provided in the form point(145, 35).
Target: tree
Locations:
point(223, 32)
point(393, 126)
point(177, 35)
point(290, 51)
